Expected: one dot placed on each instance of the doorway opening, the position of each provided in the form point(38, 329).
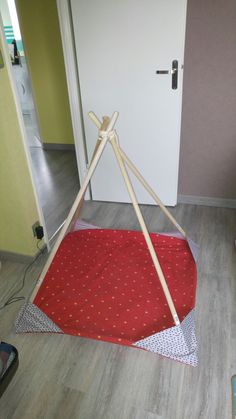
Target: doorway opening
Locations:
point(54, 171)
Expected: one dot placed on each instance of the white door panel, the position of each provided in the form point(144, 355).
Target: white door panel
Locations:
point(119, 46)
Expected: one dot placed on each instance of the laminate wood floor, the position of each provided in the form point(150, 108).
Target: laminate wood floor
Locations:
point(65, 377)
point(57, 182)
point(55, 175)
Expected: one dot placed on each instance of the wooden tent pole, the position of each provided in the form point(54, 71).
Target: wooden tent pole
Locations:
point(150, 191)
point(106, 133)
point(113, 141)
point(95, 119)
point(104, 125)
point(75, 206)
point(142, 180)
point(99, 125)
point(77, 212)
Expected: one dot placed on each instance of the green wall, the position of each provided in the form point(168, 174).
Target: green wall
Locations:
point(42, 43)
point(18, 209)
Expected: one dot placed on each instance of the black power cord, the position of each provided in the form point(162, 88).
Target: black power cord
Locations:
point(14, 298)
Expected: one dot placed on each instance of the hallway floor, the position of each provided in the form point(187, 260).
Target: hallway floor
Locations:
point(57, 182)
point(56, 176)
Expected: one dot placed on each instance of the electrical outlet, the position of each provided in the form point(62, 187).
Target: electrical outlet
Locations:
point(34, 226)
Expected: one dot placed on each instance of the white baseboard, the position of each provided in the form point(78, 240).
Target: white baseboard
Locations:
point(207, 201)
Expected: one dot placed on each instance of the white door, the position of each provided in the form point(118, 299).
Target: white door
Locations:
point(120, 45)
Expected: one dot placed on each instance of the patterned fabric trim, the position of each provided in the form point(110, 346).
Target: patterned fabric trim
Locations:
point(177, 342)
point(194, 247)
point(82, 225)
point(191, 359)
point(32, 319)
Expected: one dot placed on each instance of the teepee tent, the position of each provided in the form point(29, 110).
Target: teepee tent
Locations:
point(127, 287)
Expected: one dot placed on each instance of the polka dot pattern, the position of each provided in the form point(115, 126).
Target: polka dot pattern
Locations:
point(31, 319)
point(178, 342)
point(102, 284)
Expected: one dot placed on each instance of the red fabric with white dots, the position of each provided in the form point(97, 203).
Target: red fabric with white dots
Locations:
point(102, 285)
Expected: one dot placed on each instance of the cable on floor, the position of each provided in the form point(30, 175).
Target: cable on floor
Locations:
point(14, 298)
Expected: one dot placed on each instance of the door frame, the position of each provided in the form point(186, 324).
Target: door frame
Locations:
point(73, 85)
point(8, 65)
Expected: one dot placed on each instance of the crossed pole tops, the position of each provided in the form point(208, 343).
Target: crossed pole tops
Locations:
point(106, 128)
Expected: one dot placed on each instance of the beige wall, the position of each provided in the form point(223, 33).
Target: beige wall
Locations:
point(208, 144)
point(42, 42)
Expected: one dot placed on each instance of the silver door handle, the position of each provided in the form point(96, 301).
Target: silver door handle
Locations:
point(173, 72)
point(166, 71)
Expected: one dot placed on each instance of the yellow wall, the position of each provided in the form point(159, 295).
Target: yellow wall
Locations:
point(42, 42)
point(18, 210)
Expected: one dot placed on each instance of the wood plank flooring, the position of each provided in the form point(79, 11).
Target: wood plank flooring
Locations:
point(57, 182)
point(66, 377)
point(55, 175)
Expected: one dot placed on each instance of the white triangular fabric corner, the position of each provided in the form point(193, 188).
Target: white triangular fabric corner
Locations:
point(194, 247)
point(178, 342)
point(32, 319)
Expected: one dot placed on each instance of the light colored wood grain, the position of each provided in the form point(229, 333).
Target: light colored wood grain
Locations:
point(107, 126)
point(145, 231)
point(68, 377)
point(138, 175)
point(78, 200)
point(103, 126)
point(151, 191)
